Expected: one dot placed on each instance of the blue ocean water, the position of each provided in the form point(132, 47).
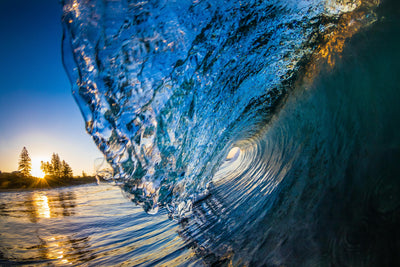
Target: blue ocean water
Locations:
point(267, 129)
point(89, 225)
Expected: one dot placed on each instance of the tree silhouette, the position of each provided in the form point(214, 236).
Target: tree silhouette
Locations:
point(46, 168)
point(66, 170)
point(57, 168)
point(56, 165)
point(24, 164)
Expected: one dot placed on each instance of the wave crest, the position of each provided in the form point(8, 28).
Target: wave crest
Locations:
point(167, 88)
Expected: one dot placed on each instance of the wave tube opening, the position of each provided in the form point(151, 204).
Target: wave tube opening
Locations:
point(305, 92)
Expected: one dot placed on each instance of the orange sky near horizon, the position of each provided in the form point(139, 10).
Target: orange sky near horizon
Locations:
point(79, 151)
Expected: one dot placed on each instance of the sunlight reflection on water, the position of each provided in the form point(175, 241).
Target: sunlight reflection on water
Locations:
point(86, 225)
point(41, 203)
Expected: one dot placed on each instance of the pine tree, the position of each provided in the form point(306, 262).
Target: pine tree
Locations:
point(66, 170)
point(56, 165)
point(57, 168)
point(46, 168)
point(25, 164)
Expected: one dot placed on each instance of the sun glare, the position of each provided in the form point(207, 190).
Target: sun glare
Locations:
point(36, 171)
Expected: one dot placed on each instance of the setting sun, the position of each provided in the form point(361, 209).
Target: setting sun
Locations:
point(36, 171)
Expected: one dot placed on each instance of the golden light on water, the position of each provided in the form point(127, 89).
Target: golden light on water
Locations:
point(233, 153)
point(330, 49)
point(56, 249)
point(42, 205)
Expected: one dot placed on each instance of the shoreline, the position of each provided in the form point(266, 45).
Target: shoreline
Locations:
point(13, 190)
point(13, 183)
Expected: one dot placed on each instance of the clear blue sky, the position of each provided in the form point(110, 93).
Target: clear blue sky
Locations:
point(37, 109)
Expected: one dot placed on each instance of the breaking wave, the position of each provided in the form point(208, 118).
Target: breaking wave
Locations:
point(268, 128)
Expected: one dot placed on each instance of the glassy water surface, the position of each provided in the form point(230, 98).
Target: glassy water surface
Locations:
point(307, 91)
point(86, 225)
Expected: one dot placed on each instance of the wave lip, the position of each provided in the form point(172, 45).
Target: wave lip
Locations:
point(167, 89)
point(305, 92)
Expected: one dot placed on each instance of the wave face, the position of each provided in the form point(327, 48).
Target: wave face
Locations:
point(268, 127)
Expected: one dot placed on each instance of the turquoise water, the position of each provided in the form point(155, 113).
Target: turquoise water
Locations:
point(90, 225)
point(307, 94)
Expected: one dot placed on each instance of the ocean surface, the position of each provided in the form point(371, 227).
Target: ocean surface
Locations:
point(88, 225)
point(249, 133)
